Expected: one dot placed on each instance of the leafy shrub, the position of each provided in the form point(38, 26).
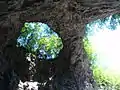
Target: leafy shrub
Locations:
point(37, 38)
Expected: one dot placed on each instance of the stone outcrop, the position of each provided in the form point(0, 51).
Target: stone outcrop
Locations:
point(66, 17)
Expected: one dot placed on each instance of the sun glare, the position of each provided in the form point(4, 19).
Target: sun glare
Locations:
point(107, 46)
point(102, 44)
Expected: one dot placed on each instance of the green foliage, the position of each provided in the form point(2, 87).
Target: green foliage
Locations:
point(40, 40)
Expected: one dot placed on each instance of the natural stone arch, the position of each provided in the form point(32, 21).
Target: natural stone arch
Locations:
point(68, 18)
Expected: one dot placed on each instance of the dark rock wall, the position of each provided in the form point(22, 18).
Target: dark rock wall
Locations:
point(68, 19)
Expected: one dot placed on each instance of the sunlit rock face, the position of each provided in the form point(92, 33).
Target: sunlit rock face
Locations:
point(39, 40)
point(102, 44)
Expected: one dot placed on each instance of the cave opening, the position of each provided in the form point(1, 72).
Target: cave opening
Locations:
point(102, 45)
point(34, 51)
point(39, 40)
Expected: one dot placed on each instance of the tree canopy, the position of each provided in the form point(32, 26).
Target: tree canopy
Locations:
point(38, 38)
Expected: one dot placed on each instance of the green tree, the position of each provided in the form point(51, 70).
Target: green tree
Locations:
point(40, 40)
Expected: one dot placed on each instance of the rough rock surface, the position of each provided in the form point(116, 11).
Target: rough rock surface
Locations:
point(71, 70)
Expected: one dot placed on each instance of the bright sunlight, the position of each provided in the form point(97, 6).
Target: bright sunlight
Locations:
point(107, 46)
point(102, 45)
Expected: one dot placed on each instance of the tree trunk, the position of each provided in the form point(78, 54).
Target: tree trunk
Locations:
point(66, 17)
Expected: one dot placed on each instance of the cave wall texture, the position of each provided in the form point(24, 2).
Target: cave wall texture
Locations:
point(68, 19)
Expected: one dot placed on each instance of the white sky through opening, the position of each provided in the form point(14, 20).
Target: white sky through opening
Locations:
point(107, 46)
